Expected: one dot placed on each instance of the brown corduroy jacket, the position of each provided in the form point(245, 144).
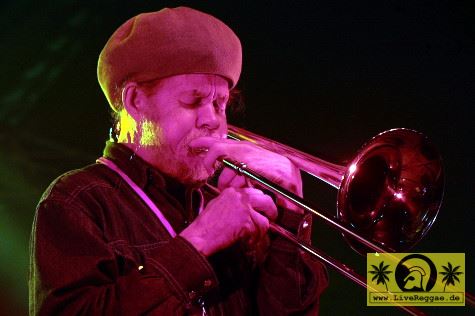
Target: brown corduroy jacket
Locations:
point(96, 249)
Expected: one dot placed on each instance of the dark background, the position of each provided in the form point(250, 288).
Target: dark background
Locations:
point(321, 76)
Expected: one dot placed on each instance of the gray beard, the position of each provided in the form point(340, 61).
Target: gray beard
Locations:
point(180, 164)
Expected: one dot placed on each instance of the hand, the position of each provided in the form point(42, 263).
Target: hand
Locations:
point(275, 167)
point(235, 214)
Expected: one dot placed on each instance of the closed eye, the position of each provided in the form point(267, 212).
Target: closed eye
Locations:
point(190, 102)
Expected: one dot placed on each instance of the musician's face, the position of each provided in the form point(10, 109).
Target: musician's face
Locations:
point(178, 110)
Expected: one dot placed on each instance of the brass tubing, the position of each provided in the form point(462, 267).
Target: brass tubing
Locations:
point(298, 201)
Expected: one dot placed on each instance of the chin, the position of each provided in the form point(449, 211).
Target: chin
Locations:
point(192, 174)
point(182, 166)
point(194, 179)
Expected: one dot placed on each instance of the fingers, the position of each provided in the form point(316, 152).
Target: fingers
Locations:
point(261, 203)
point(219, 148)
point(235, 214)
point(229, 178)
point(252, 199)
point(273, 166)
point(261, 224)
point(215, 149)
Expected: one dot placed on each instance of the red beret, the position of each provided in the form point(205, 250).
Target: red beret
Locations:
point(165, 43)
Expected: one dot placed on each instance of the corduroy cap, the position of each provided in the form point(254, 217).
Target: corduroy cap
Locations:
point(168, 42)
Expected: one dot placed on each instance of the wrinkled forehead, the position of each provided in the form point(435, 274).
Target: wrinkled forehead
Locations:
point(200, 85)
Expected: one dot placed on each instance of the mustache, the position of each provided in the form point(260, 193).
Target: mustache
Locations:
point(193, 136)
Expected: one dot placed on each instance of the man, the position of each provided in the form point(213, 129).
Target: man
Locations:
point(136, 233)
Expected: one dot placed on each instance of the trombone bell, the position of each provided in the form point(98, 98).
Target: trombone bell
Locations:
point(390, 194)
point(392, 190)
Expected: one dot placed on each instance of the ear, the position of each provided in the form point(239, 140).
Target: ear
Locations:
point(132, 99)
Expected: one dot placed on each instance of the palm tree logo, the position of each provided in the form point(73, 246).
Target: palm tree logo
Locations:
point(450, 274)
point(380, 274)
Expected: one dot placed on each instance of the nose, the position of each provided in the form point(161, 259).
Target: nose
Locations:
point(207, 116)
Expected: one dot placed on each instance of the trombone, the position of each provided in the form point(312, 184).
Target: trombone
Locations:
point(389, 195)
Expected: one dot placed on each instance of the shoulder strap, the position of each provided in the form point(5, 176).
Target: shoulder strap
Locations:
point(140, 193)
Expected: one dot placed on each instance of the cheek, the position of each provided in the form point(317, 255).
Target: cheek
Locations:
point(177, 126)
